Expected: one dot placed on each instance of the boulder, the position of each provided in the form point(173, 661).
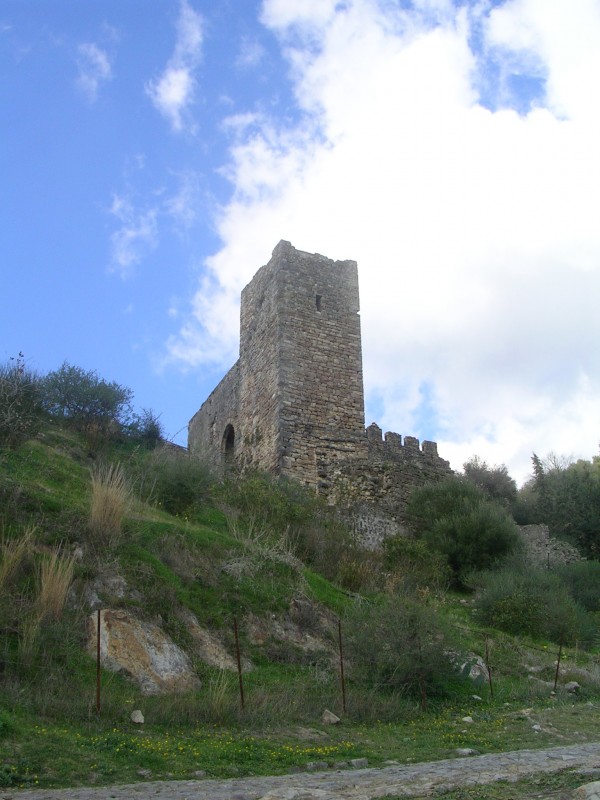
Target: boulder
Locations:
point(141, 650)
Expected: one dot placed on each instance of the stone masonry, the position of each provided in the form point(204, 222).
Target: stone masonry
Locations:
point(293, 404)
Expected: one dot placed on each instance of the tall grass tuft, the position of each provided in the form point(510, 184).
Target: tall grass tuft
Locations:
point(110, 501)
point(12, 553)
point(55, 575)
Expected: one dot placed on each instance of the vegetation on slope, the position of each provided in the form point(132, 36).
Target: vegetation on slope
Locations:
point(86, 495)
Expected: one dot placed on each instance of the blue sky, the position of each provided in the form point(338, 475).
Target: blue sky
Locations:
point(153, 154)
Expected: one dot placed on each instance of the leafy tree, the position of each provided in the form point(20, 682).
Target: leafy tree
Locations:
point(566, 497)
point(494, 481)
point(20, 409)
point(455, 518)
point(90, 403)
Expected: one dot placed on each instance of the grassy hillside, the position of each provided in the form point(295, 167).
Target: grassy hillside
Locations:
point(270, 558)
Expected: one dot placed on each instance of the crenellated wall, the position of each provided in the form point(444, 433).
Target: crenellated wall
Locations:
point(293, 404)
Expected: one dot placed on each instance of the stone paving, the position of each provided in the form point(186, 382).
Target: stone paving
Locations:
point(358, 784)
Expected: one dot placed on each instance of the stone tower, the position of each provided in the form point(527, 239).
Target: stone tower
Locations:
point(293, 403)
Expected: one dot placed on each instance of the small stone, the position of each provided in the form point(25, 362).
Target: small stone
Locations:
point(468, 720)
point(477, 698)
point(466, 751)
point(329, 718)
point(315, 766)
point(572, 686)
point(537, 727)
point(359, 763)
point(137, 717)
point(200, 773)
point(144, 773)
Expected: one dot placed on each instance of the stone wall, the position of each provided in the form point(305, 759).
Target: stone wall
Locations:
point(208, 429)
point(294, 405)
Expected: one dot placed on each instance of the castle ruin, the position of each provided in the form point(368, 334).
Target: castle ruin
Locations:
point(293, 404)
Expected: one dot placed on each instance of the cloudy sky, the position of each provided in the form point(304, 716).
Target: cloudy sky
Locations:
point(153, 154)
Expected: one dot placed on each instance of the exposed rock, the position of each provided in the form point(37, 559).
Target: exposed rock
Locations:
point(468, 720)
point(572, 686)
point(589, 791)
point(359, 763)
point(262, 631)
point(466, 751)
point(137, 717)
point(329, 718)
point(142, 651)
point(209, 649)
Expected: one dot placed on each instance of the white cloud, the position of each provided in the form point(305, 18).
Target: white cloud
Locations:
point(136, 236)
point(475, 231)
point(94, 69)
point(173, 92)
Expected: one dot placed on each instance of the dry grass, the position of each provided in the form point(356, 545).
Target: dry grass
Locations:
point(55, 575)
point(111, 497)
point(12, 553)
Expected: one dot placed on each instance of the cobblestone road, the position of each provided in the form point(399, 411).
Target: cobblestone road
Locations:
point(358, 784)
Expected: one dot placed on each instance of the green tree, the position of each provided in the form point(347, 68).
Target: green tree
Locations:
point(566, 497)
point(494, 481)
point(455, 518)
point(20, 409)
point(90, 403)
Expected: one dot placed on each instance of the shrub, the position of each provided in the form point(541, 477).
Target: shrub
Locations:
point(413, 565)
point(94, 406)
point(399, 645)
point(494, 481)
point(532, 603)
point(175, 481)
point(55, 574)
point(430, 503)
point(20, 409)
point(455, 519)
point(582, 579)
point(146, 429)
point(109, 503)
point(12, 553)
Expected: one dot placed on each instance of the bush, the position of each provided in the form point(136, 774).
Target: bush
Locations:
point(146, 429)
point(532, 603)
point(109, 503)
point(413, 565)
point(95, 407)
point(582, 579)
point(20, 409)
point(400, 645)
point(455, 519)
point(175, 481)
point(494, 481)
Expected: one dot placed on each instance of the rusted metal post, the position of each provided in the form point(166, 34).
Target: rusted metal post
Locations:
point(239, 660)
point(487, 665)
point(98, 673)
point(342, 679)
point(560, 647)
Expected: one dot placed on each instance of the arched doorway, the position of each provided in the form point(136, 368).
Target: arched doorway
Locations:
point(228, 444)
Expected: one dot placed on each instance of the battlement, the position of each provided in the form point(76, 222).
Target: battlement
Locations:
point(391, 444)
point(293, 404)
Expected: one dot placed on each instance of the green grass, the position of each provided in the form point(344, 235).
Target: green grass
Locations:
point(49, 732)
point(51, 754)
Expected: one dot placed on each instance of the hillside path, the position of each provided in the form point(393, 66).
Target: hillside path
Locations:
point(358, 784)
